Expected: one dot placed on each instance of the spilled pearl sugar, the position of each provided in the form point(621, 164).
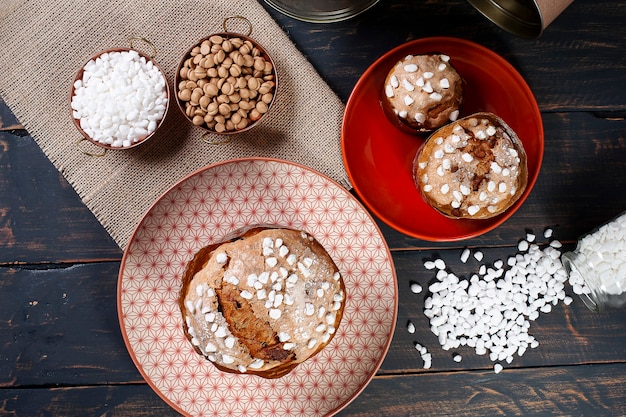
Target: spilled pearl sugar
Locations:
point(120, 98)
point(416, 288)
point(410, 327)
point(425, 355)
point(492, 310)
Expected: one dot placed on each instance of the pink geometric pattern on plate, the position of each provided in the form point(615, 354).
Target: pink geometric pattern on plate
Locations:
point(203, 208)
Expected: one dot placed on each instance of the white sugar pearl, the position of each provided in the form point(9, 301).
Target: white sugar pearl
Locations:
point(556, 244)
point(429, 265)
point(410, 327)
point(465, 255)
point(275, 313)
point(221, 258)
point(416, 288)
point(497, 368)
point(440, 264)
point(407, 85)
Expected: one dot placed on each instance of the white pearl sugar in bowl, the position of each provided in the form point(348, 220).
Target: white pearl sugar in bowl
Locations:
point(119, 98)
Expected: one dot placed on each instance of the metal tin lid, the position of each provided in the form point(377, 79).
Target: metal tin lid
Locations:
point(522, 18)
point(321, 11)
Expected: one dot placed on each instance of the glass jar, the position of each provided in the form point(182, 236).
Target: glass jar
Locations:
point(597, 267)
point(321, 11)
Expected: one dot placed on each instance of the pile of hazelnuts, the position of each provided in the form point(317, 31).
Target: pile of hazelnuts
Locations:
point(225, 84)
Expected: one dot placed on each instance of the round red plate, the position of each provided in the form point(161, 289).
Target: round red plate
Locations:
point(378, 156)
point(215, 202)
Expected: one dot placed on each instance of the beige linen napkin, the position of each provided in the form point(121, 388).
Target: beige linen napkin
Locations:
point(45, 43)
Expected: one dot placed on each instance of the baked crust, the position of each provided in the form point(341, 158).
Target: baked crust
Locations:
point(474, 168)
point(262, 302)
point(423, 92)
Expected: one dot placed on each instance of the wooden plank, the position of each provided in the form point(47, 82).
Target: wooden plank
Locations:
point(578, 39)
point(61, 328)
point(594, 390)
point(114, 400)
point(43, 220)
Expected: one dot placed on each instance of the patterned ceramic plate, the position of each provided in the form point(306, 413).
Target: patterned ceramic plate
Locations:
point(220, 199)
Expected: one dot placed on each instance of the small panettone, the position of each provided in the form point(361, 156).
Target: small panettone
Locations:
point(474, 168)
point(423, 92)
point(263, 302)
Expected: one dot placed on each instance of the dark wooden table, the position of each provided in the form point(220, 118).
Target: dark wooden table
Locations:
point(61, 349)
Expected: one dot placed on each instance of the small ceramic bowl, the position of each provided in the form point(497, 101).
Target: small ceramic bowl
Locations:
point(116, 133)
point(226, 83)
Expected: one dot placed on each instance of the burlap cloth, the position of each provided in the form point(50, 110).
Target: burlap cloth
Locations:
point(43, 44)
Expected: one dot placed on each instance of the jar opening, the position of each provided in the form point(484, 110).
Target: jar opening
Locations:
point(571, 267)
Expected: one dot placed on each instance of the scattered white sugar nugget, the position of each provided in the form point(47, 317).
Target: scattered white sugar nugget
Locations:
point(425, 355)
point(522, 246)
point(497, 368)
point(457, 358)
point(492, 310)
point(429, 265)
point(478, 255)
point(547, 233)
point(465, 255)
point(416, 288)
point(428, 361)
point(440, 264)
point(410, 327)
point(530, 237)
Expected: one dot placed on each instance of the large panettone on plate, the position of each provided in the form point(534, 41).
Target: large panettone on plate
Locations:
point(262, 302)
